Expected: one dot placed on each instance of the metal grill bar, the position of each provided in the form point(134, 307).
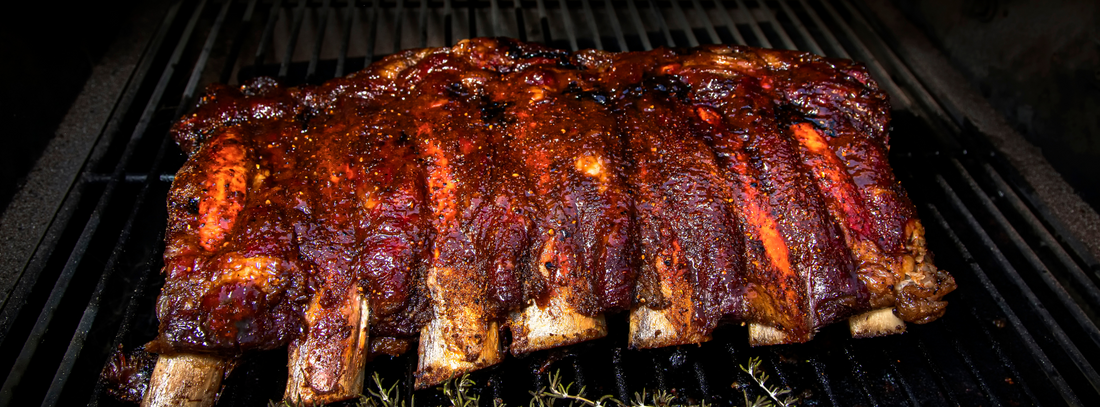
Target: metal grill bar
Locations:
point(732, 25)
point(712, 34)
point(756, 31)
point(701, 378)
point(351, 17)
point(128, 178)
point(422, 24)
point(857, 371)
point(46, 246)
point(814, 48)
point(909, 393)
point(1080, 277)
point(1046, 318)
point(1037, 352)
point(669, 42)
point(829, 38)
point(570, 29)
point(448, 22)
point(311, 70)
point(238, 43)
point(90, 312)
point(1005, 361)
point(76, 345)
point(269, 29)
point(637, 17)
point(398, 23)
point(682, 19)
point(521, 24)
point(898, 96)
point(47, 313)
point(620, 38)
point(372, 35)
point(940, 376)
point(907, 76)
point(778, 28)
point(544, 22)
point(971, 368)
point(471, 19)
point(299, 16)
point(591, 18)
point(822, 377)
point(494, 20)
point(1060, 292)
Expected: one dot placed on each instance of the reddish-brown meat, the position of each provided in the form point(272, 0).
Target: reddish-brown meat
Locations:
point(235, 280)
point(455, 188)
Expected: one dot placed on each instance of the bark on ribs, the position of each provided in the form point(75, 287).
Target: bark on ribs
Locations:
point(480, 228)
point(754, 188)
point(758, 152)
point(365, 237)
point(561, 140)
point(234, 280)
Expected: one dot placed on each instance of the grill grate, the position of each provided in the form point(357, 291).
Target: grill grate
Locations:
point(1021, 329)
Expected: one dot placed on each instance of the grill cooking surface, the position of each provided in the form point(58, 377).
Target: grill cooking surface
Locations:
point(1020, 330)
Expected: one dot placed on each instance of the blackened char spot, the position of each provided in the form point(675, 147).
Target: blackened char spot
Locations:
point(668, 84)
point(304, 118)
point(193, 206)
point(572, 89)
point(455, 89)
point(492, 110)
point(595, 95)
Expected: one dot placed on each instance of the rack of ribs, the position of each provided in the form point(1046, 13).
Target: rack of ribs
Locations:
point(442, 195)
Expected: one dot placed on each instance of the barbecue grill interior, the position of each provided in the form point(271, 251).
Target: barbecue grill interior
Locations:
point(1021, 328)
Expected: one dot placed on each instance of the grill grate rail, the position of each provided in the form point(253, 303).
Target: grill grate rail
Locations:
point(1022, 328)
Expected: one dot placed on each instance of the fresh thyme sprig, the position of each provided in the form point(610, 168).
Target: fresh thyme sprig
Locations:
point(558, 391)
point(778, 396)
point(382, 396)
point(458, 392)
point(660, 398)
point(546, 396)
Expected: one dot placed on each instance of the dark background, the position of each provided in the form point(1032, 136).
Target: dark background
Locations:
point(48, 49)
point(1038, 64)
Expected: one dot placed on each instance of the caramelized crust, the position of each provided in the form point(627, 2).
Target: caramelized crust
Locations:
point(234, 278)
point(496, 184)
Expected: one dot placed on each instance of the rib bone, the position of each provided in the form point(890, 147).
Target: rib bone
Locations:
point(439, 358)
point(879, 322)
point(556, 322)
point(190, 380)
point(325, 366)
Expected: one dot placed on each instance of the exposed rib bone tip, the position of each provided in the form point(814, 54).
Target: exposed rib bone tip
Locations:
point(557, 324)
point(650, 328)
point(878, 322)
point(311, 383)
point(760, 335)
point(190, 380)
point(439, 362)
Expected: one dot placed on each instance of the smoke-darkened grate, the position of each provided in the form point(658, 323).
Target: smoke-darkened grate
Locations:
point(1020, 330)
